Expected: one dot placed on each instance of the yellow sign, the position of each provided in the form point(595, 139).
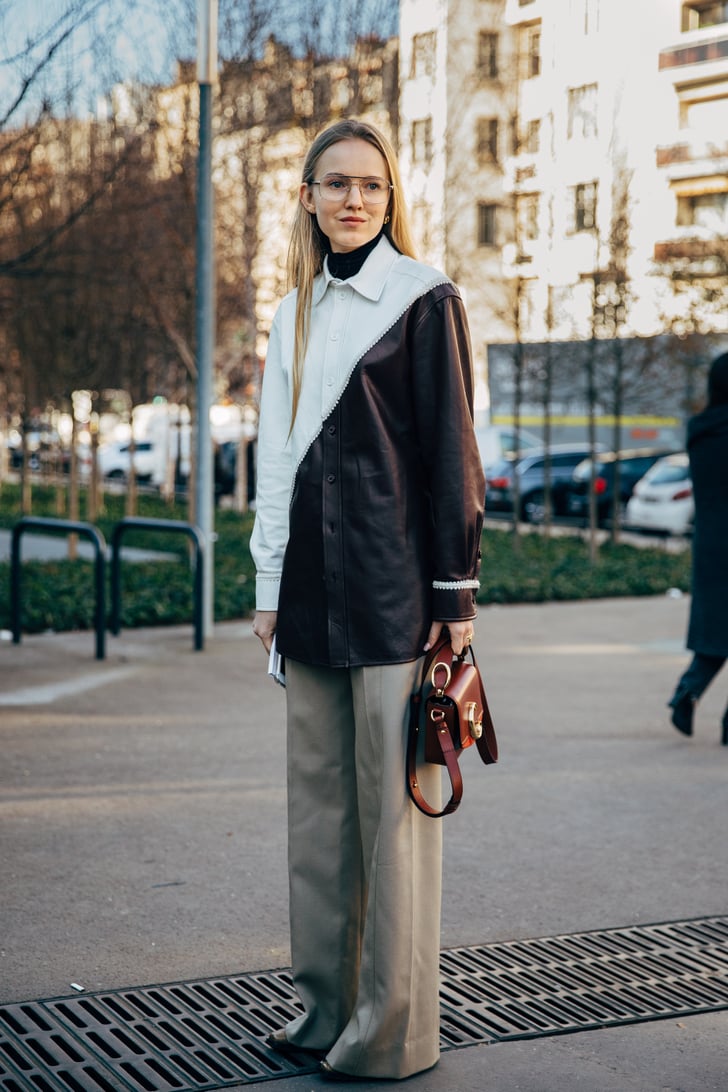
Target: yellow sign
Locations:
point(633, 421)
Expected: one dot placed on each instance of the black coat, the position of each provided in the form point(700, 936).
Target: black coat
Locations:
point(708, 452)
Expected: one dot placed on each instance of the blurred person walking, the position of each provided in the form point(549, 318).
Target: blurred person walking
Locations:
point(708, 627)
point(366, 544)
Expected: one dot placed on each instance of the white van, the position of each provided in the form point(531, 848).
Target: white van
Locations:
point(497, 442)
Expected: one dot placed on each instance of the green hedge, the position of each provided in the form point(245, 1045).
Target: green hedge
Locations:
point(60, 595)
point(538, 569)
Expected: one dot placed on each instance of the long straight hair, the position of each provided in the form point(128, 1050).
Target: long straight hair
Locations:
point(306, 251)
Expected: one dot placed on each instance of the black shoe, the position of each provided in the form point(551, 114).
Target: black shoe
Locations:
point(277, 1041)
point(330, 1074)
point(683, 706)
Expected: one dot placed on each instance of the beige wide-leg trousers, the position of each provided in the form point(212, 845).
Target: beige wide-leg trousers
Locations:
point(365, 873)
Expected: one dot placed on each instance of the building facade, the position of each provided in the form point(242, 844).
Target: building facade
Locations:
point(566, 161)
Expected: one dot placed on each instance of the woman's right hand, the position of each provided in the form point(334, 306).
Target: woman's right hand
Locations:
point(264, 626)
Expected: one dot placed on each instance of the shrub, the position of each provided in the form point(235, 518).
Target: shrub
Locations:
point(538, 569)
point(59, 595)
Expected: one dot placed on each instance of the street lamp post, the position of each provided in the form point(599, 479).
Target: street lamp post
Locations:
point(205, 303)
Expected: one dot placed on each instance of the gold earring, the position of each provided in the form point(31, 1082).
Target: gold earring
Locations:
point(386, 219)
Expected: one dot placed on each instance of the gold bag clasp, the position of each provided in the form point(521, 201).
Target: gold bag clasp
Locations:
point(475, 727)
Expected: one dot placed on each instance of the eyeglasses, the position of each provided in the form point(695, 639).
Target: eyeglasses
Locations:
point(335, 187)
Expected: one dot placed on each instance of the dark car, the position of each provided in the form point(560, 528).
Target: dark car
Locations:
point(632, 466)
point(226, 469)
point(531, 471)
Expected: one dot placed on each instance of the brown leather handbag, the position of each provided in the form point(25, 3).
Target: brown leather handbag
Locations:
point(451, 708)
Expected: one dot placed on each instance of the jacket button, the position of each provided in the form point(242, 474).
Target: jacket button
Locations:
point(332, 430)
point(331, 479)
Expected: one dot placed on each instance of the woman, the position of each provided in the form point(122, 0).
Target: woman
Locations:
point(708, 628)
point(366, 543)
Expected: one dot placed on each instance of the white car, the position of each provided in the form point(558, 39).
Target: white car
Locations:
point(663, 499)
point(115, 460)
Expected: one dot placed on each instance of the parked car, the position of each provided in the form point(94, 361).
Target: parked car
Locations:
point(663, 499)
point(114, 460)
point(531, 471)
point(498, 442)
point(632, 466)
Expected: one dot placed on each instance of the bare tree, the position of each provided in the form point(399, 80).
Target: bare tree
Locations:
point(59, 179)
point(98, 216)
point(694, 271)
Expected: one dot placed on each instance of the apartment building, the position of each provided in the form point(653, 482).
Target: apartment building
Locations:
point(458, 96)
point(566, 161)
point(556, 154)
point(692, 149)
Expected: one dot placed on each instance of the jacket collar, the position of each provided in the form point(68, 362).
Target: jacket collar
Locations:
point(371, 278)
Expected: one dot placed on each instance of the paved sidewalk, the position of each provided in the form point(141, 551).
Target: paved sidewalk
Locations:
point(142, 810)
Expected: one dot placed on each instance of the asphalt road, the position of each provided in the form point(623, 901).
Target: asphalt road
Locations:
point(142, 810)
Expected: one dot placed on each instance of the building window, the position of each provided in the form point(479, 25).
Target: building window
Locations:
point(527, 205)
point(487, 62)
point(422, 140)
point(704, 117)
point(486, 224)
point(423, 54)
point(532, 139)
point(530, 51)
point(582, 111)
point(487, 140)
point(704, 13)
point(371, 88)
point(591, 16)
point(584, 207)
point(704, 210)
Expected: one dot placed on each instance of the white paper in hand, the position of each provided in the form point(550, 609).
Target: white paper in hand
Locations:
point(276, 665)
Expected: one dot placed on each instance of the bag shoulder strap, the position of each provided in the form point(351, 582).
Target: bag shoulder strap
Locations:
point(443, 738)
point(487, 743)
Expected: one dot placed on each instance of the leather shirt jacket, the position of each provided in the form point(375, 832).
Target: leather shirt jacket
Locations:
point(369, 514)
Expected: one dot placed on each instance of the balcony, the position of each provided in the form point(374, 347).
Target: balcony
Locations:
point(695, 251)
point(695, 157)
point(697, 48)
point(523, 11)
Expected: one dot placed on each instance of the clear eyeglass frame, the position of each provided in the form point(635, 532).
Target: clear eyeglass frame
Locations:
point(335, 187)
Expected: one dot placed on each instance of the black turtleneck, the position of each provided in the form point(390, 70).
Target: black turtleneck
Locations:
point(343, 266)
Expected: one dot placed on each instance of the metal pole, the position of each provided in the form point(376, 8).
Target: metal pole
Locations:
point(205, 303)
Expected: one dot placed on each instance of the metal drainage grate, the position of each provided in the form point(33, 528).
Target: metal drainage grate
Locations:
point(528, 988)
point(210, 1034)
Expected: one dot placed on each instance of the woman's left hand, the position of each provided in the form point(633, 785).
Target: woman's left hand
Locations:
point(461, 635)
point(264, 626)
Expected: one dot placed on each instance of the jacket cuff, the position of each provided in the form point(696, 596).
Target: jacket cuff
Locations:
point(267, 587)
point(454, 601)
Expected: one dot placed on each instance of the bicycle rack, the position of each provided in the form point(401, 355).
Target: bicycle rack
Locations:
point(139, 523)
point(71, 527)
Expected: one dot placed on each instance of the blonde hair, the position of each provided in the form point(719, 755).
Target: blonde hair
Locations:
point(306, 251)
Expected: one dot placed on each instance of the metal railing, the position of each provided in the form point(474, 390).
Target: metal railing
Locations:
point(69, 527)
point(168, 525)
